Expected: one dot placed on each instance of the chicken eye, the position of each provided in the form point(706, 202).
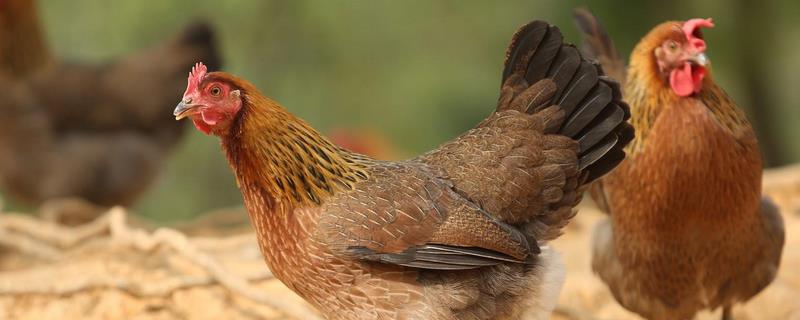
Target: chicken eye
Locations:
point(672, 45)
point(215, 91)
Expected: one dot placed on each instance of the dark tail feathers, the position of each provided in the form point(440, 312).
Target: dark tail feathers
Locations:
point(597, 45)
point(595, 114)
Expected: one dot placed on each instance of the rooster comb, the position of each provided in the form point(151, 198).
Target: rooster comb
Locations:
point(691, 28)
point(198, 72)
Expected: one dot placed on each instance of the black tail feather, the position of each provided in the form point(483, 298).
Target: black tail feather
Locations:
point(609, 161)
point(545, 54)
point(580, 85)
point(592, 105)
point(524, 41)
point(595, 114)
point(597, 152)
point(601, 126)
point(564, 67)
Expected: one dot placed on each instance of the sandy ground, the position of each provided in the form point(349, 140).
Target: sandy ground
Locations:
point(118, 271)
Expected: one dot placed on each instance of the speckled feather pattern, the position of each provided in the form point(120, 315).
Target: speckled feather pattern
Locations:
point(457, 233)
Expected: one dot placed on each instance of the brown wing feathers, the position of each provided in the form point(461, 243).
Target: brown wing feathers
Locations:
point(420, 222)
point(595, 115)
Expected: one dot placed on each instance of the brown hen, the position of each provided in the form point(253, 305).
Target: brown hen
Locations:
point(460, 232)
point(688, 228)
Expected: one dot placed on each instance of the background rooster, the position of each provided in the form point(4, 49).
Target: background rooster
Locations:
point(688, 228)
point(457, 233)
point(95, 132)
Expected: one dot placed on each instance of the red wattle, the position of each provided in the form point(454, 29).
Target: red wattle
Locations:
point(687, 80)
point(202, 126)
point(211, 117)
point(680, 79)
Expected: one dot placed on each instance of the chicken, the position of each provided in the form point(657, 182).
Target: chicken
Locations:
point(460, 232)
point(93, 132)
point(688, 228)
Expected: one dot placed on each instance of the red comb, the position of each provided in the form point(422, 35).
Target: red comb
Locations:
point(689, 29)
point(198, 72)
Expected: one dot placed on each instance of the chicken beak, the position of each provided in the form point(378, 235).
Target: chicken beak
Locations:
point(184, 109)
point(699, 59)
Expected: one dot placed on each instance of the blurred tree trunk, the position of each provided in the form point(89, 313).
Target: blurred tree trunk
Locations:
point(757, 31)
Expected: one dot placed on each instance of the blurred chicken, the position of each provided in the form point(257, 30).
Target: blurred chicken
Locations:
point(688, 227)
point(23, 48)
point(95, 132)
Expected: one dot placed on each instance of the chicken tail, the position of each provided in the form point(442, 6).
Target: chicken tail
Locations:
point(541, 71)
point(597, 45)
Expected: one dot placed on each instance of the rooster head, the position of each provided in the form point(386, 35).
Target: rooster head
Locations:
point(681, 55)
point(210, 102)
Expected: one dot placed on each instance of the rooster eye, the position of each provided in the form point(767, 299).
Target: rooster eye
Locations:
point(215, 91)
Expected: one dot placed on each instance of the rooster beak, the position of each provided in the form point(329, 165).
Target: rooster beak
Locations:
point(699, 59)
point(183, 109)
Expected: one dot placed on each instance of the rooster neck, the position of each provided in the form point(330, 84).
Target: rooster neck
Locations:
point(275, 153)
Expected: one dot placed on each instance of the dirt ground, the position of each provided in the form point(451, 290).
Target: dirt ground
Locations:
point(114, 269)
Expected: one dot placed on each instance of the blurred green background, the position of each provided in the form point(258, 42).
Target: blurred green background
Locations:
point(416, 72)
